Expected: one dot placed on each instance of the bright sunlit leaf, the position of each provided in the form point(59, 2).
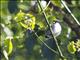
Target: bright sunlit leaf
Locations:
point(19, 16)
point(78, 45)
point(26, 20)
point(71, 47)
point(8, 46)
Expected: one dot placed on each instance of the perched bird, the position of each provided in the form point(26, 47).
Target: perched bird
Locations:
point(47, 53)
point(56, 28)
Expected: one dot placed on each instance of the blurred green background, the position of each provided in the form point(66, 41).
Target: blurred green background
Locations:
point(26, 46)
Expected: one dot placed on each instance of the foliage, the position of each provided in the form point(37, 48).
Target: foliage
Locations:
point(23, 31)
point(71, 47)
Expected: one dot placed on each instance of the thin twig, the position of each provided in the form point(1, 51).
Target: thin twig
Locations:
point(54, 38)
point(46, 44)
point(46, 6)
point(64, 4)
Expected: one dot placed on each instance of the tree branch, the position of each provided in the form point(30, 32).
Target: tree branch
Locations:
point(71, 23)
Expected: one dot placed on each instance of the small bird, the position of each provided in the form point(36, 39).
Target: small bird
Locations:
point(56, 28)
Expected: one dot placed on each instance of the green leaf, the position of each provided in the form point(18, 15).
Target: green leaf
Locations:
point(25, 20)
point(29, 22)
point(8, 46)
point(57, 3)
point(78, 45)
point(71, 47)
point(19, 16)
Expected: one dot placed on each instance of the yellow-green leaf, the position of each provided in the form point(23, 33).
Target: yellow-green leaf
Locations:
point(71, 47)
point(19, 16)
point(8, 46)
point(29, 22)
point(25, 20)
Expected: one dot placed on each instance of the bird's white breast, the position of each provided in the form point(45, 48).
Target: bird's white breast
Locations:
point(56, 29)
